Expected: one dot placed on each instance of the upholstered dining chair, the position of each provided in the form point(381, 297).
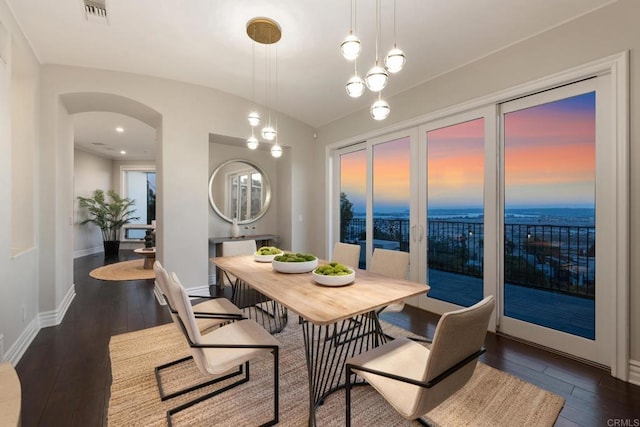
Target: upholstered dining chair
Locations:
point(394, 264)
point(347, 254)
point(211, 313)
point(415, 379)
point(224, 352)
point(236, 248)
point(255, 305)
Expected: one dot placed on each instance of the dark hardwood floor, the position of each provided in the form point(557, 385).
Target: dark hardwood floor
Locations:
point(66, 376)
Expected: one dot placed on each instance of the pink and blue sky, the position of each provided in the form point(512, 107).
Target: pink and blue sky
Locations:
point(549, 161)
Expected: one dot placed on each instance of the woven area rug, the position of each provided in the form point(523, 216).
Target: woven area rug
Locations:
point(126, 270)
point(491, 398)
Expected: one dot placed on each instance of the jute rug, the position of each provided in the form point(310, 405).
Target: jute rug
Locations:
point(491, 398)
point(126, 270)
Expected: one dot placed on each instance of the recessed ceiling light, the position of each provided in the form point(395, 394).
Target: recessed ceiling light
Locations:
point(123, 152)
point(119, 129)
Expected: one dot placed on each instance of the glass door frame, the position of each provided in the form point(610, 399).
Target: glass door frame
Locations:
point(490, 271)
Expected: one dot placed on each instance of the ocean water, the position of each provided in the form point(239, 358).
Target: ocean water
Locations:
point(536, 216)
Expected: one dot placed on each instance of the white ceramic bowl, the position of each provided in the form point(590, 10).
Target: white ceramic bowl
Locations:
point(294, 267)
point(321, 279)
point(265, 258)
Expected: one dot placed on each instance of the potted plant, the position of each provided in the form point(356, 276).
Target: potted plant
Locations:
point(109, 212)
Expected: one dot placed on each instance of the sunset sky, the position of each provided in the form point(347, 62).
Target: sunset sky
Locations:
point(549, 162)
point(550, 154)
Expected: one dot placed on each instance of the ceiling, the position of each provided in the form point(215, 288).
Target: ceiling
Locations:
point(204, 42)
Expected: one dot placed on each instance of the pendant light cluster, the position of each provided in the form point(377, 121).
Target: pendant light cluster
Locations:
point(267, 32)
point(377, 77)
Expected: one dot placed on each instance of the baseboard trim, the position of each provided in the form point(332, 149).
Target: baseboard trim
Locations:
point(17, 350)
point(634, 372)
point(88, 251)
point(53, 318)
point(158, 293)
point(200, 290)
point(42, 320)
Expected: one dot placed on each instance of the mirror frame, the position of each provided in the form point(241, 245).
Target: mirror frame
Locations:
point(265, 180)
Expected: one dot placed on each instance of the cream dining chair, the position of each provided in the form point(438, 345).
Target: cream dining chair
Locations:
point(236, 248)
point(347, 254)
point(268, 313)
point(414, 379)
point(225, 352)
point(394, 264)
point(211, 313)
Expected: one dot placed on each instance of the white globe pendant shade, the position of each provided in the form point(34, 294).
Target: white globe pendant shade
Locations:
point(380, 110)
point(252, 142)
point(395, 60)
point(350, 47)
point(268, 133)
point(254, 118)
point(276, 151)
point(376, 79)
point(355, 86)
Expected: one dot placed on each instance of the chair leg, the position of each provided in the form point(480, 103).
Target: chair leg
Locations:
point(347, 390)
point(189, 404)
point(276, 389)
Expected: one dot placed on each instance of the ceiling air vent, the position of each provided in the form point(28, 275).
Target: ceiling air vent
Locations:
point(95, 10)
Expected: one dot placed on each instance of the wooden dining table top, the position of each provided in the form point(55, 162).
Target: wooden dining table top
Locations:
point(321, 305)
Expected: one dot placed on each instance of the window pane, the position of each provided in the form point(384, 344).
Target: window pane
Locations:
point(455, 214)
point(353, 193)
point(391, 168)
point(549, 254)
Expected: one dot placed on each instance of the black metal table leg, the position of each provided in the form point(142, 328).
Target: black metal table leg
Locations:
point(328, 347)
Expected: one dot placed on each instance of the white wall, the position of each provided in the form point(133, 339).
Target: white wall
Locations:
point(605, 32)
point(19, 298)
point(90, 172)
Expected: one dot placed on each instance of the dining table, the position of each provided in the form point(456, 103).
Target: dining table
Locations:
point(338, 322)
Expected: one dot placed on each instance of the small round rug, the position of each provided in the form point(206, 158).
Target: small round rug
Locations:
point(126, 270)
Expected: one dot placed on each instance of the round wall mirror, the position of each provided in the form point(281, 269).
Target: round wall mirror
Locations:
point(239, 189)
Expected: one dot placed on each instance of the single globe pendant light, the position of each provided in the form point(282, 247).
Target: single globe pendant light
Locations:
point(254, 118)
point(395, 60)
point(350, 47)
point(252, 143)
point(276, 150)
point(355, 86)
point(268, 133)
point(377, 78)
point(380, 109)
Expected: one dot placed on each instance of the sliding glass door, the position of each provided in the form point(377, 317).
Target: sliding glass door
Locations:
point(554, 277)
point(374, 187)
point(519, 199)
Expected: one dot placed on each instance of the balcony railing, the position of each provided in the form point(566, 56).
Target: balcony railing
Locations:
point(558, 258)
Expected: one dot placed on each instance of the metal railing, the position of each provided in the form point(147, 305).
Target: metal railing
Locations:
point(559, 258)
